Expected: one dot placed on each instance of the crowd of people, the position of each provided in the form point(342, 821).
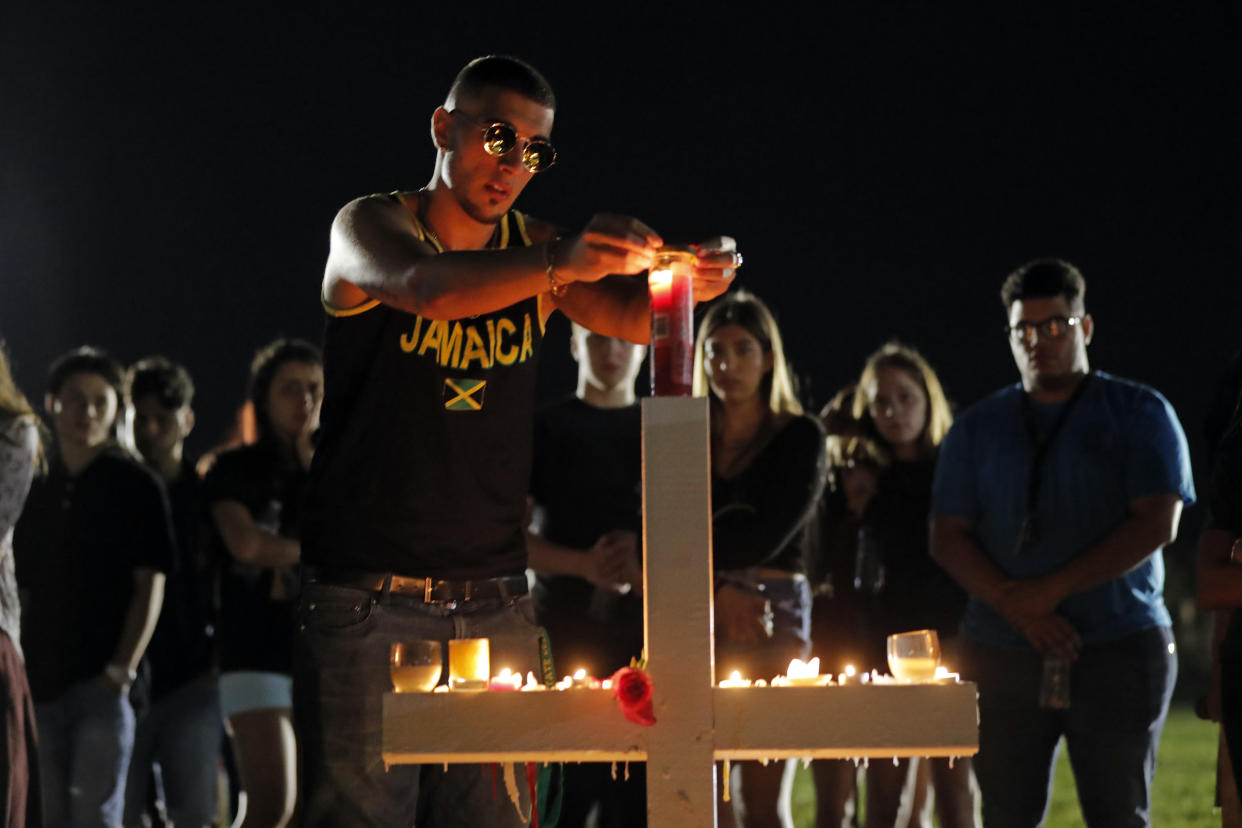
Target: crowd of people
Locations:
point(180, 615)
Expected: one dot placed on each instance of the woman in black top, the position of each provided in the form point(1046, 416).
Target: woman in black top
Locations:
point(768, 470)
point(900, 404)
point(254, 494)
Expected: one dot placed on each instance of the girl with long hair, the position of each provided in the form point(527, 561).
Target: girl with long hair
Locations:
point(768, 472)
point(254, 492)
point(901, 406)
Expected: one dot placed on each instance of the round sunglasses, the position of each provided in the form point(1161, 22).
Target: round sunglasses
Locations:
point(499, 138)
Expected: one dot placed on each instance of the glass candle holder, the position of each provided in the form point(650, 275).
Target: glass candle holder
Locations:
point(670, 282)
point(469, 664)
point(914, 656)
point(415, 666)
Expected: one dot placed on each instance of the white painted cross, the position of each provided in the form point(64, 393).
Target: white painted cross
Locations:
point(697, 723)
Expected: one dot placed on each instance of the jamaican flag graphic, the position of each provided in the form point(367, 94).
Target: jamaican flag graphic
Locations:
point(462, 394)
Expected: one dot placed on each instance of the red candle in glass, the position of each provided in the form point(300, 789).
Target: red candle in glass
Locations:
point(672, 318)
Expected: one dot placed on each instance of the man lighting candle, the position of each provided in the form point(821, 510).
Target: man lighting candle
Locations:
point(438, 301)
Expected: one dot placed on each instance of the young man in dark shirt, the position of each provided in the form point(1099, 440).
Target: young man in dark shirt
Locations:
point(181, 733)
point(93, 546)
point(586, 484)
point(414, 523)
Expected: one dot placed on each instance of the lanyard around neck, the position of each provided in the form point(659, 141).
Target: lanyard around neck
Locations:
point(1039, 455)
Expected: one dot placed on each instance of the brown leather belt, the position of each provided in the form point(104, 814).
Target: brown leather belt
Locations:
point(426, 590)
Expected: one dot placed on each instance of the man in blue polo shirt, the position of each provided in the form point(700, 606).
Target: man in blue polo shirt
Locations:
point(1052, 502)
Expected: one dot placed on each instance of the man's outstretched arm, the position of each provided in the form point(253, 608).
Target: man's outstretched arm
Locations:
point(374, 254)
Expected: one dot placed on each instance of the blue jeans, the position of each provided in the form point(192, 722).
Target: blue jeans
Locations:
point(1119, 696)
point(340, 677)
point(85, 739)
point(179, 738)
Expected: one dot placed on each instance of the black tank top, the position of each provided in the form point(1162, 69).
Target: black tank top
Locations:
point(423, 463)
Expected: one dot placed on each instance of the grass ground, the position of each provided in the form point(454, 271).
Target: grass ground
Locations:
point(1184, 791)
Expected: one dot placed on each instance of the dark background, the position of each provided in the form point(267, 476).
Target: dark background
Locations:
point(168, 175)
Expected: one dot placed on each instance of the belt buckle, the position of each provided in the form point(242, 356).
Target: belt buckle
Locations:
point(428, 598)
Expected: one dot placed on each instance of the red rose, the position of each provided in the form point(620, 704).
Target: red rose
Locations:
point(633, 688)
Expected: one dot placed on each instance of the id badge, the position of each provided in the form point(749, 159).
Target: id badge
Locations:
point(1028, 535)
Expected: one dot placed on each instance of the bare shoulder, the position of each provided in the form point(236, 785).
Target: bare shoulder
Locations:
point(377, 208)
point(371, 230)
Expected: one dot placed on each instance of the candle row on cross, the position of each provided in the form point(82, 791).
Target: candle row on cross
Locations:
point(806, 674)
point(417, 666)
point(913, 657)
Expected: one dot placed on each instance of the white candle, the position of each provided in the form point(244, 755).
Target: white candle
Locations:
point(735, 680)
point(802, 673)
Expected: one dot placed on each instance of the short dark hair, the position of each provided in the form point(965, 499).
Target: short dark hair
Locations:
point(169, 381)
point(1044, 279)
point(503, 72)
point(88, 360)
point(263, 368)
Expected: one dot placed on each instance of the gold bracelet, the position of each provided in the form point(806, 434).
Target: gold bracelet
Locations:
point(555, 286)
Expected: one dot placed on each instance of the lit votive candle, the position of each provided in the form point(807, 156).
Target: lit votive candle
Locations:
point(581, 680)
point(506, 680)
point(850, 676)
point(469, 665)
point(943, 675)
point(671, 285)
point(735, 680)
point(802, 674)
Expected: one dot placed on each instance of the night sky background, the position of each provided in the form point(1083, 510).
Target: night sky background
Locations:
point(168, 175)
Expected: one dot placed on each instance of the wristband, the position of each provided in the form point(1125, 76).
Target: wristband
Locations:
point(121, 674)
point(555, 286)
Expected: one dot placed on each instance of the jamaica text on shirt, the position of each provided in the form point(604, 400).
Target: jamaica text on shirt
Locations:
point(458, 345)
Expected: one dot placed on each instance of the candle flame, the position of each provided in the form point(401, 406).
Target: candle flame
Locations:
point(660, 279)
point(579, 674)
point(850, 671)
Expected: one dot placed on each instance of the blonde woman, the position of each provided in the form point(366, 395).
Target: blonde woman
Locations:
point(901, 406)
point(768, 471)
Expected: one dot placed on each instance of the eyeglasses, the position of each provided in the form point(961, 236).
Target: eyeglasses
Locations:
point(1054, 327)
point(499, 138)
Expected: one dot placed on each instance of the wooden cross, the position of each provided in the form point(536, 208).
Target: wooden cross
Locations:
point(697, 722)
